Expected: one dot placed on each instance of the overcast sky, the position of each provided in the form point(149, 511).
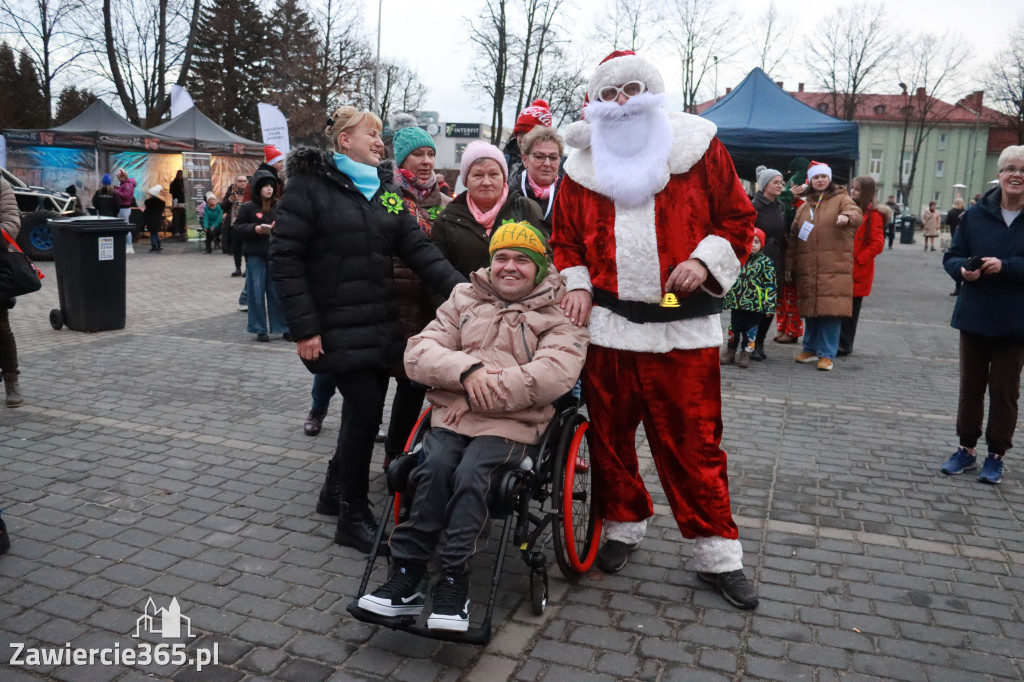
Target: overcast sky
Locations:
point(433, 39)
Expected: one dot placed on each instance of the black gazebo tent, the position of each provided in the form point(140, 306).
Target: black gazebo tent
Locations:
point(206, 136)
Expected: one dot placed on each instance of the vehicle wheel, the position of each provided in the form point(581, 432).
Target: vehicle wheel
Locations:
point(578, 528)
point(36, 237)
point(538, 591)
point(56, 319)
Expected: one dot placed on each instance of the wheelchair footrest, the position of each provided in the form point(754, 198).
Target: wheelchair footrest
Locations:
point(478, 636)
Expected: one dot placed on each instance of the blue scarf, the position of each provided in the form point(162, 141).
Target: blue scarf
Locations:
point(364, 177)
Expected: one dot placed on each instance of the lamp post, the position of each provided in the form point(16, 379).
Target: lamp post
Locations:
point(376, 62)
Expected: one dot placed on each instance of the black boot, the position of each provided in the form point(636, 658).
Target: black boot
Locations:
point(356, 526)
point(329, 502)
point(758, 353)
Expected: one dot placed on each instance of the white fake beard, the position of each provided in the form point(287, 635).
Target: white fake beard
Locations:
point(631, 144)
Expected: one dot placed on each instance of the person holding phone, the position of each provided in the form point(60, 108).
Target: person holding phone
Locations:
point(987, 257)
point(255, 222)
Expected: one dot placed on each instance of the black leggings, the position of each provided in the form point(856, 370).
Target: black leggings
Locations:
point(363, 393)
point(8, 348)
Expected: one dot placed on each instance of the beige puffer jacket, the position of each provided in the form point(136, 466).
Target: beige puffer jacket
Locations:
point(10, 216)
point(538, 350)
point(822, 266)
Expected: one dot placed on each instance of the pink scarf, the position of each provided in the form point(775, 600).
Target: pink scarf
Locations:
point(538, 191)
point(487, 218)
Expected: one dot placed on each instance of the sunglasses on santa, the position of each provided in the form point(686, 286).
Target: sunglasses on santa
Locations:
point(630, 89)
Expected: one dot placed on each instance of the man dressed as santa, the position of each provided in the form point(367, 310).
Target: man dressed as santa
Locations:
point(650, 206)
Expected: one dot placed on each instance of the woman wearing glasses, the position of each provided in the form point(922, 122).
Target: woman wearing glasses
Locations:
point(463, 230)
point(542, 159)
point(987, 256)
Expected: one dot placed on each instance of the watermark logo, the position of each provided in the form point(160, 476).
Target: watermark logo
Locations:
point(166, 623)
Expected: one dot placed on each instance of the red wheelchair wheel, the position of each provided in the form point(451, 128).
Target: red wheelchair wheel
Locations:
point(418, 431)
point(578, 528)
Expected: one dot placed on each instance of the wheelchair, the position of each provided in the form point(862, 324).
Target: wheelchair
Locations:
point(550, 498)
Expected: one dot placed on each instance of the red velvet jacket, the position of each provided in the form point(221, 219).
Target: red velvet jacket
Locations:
point(701, 212)
point(868, 243)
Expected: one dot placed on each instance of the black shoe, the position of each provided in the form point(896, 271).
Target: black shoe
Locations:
point(236, 273)
point(843, 351)
point(954, 293)
point(758, 353)
point(5, 539)
point(402, 595)
point(734, 586)
point(614, 555)
point(287, 337)
point(451, 603)
point(262, 338)
point(208, 251)
point(356, 526)
point(314, 423)
point(329, 501)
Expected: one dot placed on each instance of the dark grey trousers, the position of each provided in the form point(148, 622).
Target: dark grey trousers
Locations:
point(992, 364)
point(453, 488)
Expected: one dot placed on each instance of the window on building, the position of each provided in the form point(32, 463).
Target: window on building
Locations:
point(875, 165)
point(880, 109)
point(943, 140)
point(908, 161)
point(459, 148)
point(938, 198)
point(939, 167)
point(823, 107)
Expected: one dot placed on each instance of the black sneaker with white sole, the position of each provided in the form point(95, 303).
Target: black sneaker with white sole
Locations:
point(402, 595)
point(614, 555)
point(451, 603)
point(734, 586)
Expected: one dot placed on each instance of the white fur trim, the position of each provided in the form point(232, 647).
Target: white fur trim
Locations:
point(577, 135)
point(636, 253)
point(717, 253)
point(623, 69)
point(577, 277)
point(819, 169)
point(630, 532)
point(716, 555)
point(614, 331)
point(691, 137)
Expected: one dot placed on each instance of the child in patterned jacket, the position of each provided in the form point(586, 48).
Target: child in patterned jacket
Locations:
point(750, 299)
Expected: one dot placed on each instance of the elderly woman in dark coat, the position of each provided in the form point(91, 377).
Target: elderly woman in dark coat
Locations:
point(771, 219)
point(987, 256)
point(339, 225)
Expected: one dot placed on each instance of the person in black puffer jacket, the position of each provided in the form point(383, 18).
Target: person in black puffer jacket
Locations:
point(338, 227)
point(771, 219)
point(256, 220)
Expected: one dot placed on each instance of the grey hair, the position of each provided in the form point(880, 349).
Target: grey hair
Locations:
point(541, 134)
point(1011, 152)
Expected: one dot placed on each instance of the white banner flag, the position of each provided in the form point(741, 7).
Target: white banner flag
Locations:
point(181, 101)
point(274, 126)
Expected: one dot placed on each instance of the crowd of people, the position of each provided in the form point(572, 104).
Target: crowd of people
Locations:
point(609, 266)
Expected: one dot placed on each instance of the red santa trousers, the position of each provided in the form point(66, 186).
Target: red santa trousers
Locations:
point(677, 395)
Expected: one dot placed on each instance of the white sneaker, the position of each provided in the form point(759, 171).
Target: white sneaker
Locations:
point(129, 249)
point(244, 308)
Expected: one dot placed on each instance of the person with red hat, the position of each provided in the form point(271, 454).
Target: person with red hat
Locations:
point(651, 228)
point(750, 299)
point(537, 114)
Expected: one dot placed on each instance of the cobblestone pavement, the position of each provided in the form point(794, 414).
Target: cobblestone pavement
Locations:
point(168, 460)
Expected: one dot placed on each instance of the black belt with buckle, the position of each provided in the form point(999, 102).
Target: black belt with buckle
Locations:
point(698, 304)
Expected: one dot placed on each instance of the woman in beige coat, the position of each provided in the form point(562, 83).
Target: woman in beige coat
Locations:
point(931, 219)
point(819, 259)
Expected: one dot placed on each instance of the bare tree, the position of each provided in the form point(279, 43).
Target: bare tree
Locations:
point(565, 89)
point(626, 25)
point(490, 34)
point(1004, 79)
point(928, 72)
point(773, 40)
point(399, 89)
point(850, 52)
point(142, 44)
point(540, 47)
point(702, 33)
point(345, 64)
point(48, 30)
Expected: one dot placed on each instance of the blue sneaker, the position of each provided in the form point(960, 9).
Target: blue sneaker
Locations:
point(960, 462)
point(992, 471)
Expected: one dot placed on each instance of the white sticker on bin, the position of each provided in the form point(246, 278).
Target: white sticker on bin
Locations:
point(106, 248)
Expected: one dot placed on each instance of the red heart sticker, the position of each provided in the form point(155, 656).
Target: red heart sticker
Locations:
point(259, 215)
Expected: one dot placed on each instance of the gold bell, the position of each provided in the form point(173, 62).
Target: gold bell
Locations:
point(669, 300)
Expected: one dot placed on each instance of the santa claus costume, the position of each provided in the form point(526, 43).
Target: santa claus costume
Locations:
point(644, 192)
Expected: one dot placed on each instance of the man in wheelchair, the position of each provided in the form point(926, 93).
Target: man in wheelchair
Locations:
point(499, 352)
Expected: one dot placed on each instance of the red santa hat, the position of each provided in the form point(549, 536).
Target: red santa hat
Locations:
point(623, 66)
point(272, 154)
point(818, 168)
point(759, 233)
point(537, 114)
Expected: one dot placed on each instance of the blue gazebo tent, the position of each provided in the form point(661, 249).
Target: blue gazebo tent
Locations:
point(760, 123)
